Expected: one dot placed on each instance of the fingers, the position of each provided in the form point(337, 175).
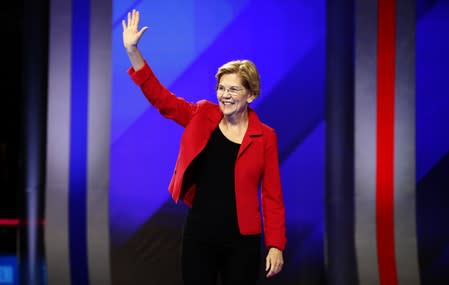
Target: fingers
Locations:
point(133, 18)
point(133, 21)
point(268, 267)
point(274, 269)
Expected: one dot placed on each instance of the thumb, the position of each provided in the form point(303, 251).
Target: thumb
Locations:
point(267, 263)
point(142, 31)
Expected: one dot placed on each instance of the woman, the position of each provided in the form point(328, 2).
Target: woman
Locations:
point(225, 154)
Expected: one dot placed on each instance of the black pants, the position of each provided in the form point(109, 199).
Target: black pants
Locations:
point(203, 263)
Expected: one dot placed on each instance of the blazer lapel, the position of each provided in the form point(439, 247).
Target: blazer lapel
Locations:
point(254, 130)
point(214, 117)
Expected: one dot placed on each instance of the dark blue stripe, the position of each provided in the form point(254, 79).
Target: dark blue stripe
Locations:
point(78, 142)
point(339, 203)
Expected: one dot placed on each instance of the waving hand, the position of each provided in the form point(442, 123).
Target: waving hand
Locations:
point(131, 32)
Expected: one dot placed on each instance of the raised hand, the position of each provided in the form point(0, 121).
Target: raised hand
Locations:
point(131, 32)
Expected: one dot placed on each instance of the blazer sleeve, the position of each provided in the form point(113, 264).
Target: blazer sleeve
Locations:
point(168, 105)
point(272, 202)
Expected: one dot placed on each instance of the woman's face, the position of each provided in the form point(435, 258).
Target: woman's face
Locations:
point(233, 98)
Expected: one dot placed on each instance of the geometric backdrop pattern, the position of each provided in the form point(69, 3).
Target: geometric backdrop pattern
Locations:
point(185, 46)
point(186, 43)
point(432, 140)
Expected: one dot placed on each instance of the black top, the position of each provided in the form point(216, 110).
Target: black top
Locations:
point(213, 216)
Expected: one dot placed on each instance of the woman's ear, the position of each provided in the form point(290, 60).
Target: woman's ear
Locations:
point(251, 98)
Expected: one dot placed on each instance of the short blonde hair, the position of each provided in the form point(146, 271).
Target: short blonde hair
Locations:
point(247, 71)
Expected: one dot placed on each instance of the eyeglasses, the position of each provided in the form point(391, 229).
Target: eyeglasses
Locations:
point(233, 90)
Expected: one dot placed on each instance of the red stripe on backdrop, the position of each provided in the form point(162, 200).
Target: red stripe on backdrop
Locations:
point(386, 35)
point(9, 222)
point(16, 222)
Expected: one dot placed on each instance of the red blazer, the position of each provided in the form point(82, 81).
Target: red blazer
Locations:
point(257, 160)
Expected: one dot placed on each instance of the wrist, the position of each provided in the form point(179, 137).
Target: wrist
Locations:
point(274, 248)
point(131, 49)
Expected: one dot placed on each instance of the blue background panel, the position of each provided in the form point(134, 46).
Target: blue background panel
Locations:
point(186, 43)
point(432, 140)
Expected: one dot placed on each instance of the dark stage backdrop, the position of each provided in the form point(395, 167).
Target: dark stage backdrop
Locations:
point(110, 155)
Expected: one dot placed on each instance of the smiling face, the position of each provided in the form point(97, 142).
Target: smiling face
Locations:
point(233, 97)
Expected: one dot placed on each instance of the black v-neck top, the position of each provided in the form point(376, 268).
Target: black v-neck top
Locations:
point(213, 216)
